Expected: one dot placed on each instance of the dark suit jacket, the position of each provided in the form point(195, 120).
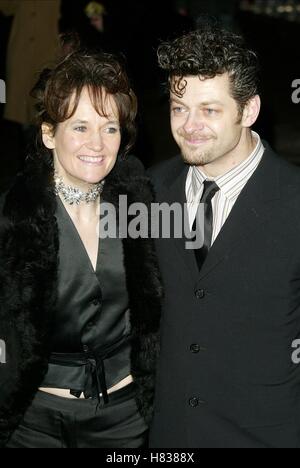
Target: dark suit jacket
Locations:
point(226, 377)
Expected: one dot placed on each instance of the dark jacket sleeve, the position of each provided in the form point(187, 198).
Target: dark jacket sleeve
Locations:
point(8, 344)
point(8, 383)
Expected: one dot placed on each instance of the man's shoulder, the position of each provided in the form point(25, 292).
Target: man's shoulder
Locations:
point(285, 178)
point(289, 173)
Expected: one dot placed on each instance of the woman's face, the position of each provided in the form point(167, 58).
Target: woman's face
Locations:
point(86, 146)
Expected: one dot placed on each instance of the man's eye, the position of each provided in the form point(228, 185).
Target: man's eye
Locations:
point(211, 111)
point(80, 129)
point(178, 110)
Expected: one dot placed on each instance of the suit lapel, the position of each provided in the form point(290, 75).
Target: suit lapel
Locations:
point(248, 211)
point(176, 193)
point(263, 187)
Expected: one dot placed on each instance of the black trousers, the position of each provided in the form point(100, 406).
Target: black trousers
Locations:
point(55, 422)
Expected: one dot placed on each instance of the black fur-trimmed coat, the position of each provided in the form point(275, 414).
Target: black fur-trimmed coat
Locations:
point(28, 287)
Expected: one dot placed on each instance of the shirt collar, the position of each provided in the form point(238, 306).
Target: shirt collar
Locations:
point(232, 178)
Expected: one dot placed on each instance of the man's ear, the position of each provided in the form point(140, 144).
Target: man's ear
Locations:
point(251, 112)
point(48, 136)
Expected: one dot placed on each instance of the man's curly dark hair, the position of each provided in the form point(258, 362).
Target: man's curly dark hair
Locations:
point(209, 52)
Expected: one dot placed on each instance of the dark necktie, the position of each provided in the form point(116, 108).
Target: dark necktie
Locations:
point(210, 189)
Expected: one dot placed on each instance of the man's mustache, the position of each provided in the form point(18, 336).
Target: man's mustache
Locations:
point(195, 136)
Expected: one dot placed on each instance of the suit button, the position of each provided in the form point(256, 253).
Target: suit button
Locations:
point(96, 302)
point(200, 293)
point(194, 402)
point(195, 349)
point(85, 348)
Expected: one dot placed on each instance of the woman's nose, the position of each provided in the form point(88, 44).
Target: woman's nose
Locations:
point(96, 142)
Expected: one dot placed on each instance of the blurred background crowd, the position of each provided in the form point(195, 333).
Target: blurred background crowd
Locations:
point(34, 32)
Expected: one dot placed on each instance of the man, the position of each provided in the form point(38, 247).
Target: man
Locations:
point(231, 310)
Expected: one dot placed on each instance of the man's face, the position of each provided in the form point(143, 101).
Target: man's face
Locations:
point(205, 121)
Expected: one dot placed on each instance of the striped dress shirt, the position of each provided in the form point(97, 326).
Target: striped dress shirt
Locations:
point(231, 185)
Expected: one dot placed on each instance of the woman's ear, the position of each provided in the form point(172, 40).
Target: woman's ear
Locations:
point(48, 136)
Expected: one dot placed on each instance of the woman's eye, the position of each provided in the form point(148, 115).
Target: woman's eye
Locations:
point(112, 130)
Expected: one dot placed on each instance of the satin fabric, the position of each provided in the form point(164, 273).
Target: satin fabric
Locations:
point(92, 313)
point(54, 422)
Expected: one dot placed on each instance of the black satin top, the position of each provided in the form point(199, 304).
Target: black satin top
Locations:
point(91, 337)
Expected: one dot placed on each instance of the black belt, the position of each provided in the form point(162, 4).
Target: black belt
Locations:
point(94, 381)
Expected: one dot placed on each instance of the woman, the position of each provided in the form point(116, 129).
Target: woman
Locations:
point(80, 315)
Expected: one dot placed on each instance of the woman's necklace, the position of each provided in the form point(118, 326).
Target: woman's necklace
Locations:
point(75, 196)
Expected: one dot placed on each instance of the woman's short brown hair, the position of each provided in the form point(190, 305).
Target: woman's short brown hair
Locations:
point(58, 91)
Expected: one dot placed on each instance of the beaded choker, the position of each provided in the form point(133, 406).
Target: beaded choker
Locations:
point(75, 196)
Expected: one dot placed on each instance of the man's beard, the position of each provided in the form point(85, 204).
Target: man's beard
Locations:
point(196, 158)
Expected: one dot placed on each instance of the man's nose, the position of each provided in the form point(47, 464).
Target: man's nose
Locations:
point(193, 124)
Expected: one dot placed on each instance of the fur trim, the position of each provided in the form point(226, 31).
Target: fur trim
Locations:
point(29, 248)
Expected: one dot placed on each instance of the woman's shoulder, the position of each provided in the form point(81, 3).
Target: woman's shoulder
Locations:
point(129, 168)
point(128, 177)
point(134, 166)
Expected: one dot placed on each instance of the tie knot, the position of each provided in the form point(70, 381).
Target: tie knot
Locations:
point(210, 189)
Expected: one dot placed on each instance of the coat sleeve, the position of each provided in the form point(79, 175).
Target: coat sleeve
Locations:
point(8, 353)
point(9, 367)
